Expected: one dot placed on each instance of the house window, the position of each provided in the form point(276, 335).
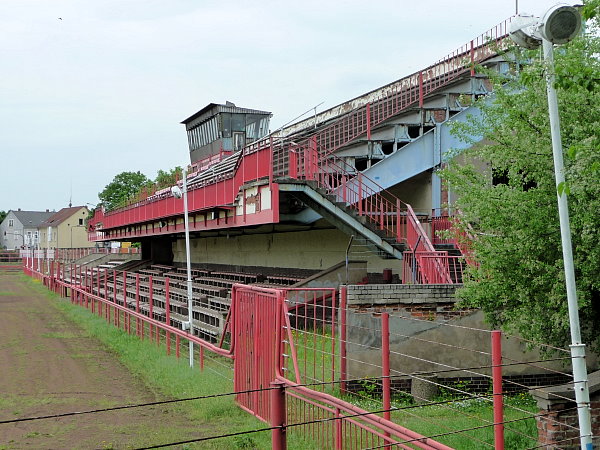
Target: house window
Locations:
point(80, 221)
point(11, 222)
point(16, 236)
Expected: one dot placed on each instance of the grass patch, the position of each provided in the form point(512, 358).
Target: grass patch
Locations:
point(455, 415)
point(60, 335)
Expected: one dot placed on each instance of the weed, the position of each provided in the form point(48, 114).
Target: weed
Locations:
point(244, 442)
point(368, 388)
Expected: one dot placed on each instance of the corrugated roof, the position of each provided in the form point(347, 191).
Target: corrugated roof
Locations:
point(214, 108)
point(32, 219)
point(59, 217)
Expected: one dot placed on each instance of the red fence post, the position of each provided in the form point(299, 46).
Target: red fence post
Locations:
point(117, 319)
point(497, 390)
point(292, 163)
point(343, 368)
point(368, 112)
point(360, 194)
point(137, 303)
point(167, 315)
point(385, 366)
point(126, 315)
point(150, 305)
point(278, 435)
point(420, 89)
point(472, 55)
point(339, 435)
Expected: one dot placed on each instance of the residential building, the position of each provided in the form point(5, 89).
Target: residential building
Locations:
point(65, 229)
point(19, 229)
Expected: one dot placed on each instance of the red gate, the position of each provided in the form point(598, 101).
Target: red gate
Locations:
point(255, 329)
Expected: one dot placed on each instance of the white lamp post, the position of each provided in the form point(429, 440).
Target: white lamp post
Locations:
point(559, 25)
point(178, 193)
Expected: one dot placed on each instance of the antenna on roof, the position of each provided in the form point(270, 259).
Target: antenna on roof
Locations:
point(71, 194)
point(517, 7)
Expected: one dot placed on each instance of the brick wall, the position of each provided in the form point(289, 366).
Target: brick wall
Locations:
point(431, 302)
point(557, 421)
point(558, 426)
point(384, 294)
point(474, 385)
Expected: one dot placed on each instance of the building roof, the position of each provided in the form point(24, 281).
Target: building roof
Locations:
point(214, 108)
point(32, 219)
point(59, 217)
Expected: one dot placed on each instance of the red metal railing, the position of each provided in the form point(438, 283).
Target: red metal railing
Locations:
point(206, 163)
point(10, 261)
point(287, 344)
point(441, 222)
point(424, 268)
point(396, 97)
point(265, 351)
point(382, 209)
point(114, 295)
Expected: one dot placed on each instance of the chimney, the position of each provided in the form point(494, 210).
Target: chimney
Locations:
point(19, 209)
point(47, 210)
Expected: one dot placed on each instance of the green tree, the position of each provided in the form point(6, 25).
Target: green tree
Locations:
point(168, 178)
point(2, 216)
point(519, 278)
point(123, 187)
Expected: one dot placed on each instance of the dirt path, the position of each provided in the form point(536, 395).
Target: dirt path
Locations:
point(48, 365)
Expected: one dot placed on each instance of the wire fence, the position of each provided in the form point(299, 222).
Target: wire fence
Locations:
point(432, 376)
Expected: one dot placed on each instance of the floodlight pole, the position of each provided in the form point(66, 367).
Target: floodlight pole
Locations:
point(188, 262)
point(580, 379)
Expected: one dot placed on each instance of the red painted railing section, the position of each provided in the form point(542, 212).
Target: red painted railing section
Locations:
point(11, 261)
point(275, 326)
point(255, 317)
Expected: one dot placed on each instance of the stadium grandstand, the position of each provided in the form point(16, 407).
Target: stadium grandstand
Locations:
point(347, 196)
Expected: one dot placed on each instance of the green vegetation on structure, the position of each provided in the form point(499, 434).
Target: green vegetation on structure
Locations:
point(122, 188)
point(509, 207)
point(128, 186)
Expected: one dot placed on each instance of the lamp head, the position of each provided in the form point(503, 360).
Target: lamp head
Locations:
point(176, 191)
point(560, 24)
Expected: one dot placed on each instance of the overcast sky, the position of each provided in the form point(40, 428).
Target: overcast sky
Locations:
point(89, 89)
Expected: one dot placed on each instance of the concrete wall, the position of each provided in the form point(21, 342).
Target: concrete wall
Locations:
point(316, 249)
point(425, 325)
point(416, 192)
